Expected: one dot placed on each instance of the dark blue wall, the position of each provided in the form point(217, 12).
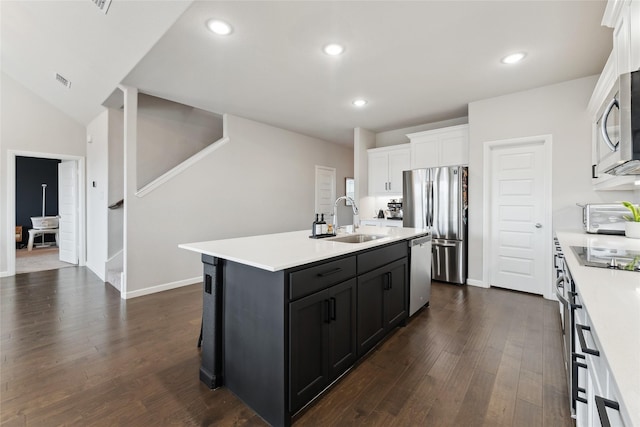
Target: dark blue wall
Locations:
point(31, 173)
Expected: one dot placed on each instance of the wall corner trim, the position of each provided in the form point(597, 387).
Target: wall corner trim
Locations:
point(181, 167)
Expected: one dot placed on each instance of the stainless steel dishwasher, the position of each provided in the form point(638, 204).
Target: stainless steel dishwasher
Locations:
point(420, 275)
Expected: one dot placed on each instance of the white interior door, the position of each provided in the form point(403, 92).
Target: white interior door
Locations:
point(68, 211)
point(519, 201)
point(325, 191)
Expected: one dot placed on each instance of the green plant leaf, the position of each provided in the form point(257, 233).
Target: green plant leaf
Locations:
point(635, 212)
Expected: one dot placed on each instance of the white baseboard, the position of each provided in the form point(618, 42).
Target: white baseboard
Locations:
point(5, 274)
point(478, 283)
point(163, 287)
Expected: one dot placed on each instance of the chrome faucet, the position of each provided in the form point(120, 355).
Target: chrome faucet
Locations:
point(335, 213)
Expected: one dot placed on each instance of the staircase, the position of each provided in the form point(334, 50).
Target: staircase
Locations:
point(114, 278)
point(114, 267)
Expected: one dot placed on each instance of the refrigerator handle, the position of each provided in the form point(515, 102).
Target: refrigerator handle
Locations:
point(430, 204)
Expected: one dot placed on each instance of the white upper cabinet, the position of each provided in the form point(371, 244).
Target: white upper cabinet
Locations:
point(440, 147)
point(385, 169)
point(624, 17)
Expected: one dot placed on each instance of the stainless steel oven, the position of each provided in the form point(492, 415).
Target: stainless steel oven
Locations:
point(566, 294)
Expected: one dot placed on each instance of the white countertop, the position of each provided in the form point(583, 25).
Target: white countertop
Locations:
point(612, 299)
point(275, 252)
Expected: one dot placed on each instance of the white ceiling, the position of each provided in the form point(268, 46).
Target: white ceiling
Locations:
point(416, 61)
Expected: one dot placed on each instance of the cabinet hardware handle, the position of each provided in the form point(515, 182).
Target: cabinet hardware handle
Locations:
point(574, 305)
point(389, 185)
point(386, 286)
point(574, 380)
point(593, 171)
point(601, 404)
point(327, 311)
point(583, 342)
point(333, 308)
point(330, 272)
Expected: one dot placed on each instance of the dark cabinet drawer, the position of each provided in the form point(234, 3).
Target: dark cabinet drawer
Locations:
point(313, 279)
point(379, 257)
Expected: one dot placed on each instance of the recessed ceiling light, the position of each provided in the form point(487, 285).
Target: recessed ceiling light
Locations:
point(333, 49)
point(218, 27)
point(360, 102)
point(513, 58)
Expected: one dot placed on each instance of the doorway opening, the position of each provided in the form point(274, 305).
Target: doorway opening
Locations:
point(48, 222)
point(37, 215)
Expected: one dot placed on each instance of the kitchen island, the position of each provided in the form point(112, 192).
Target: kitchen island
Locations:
point(285, 316)
point(610, 304)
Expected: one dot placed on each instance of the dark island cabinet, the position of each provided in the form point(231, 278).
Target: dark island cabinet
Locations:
point(322, 340)
point(382, 303)
point(279, 339)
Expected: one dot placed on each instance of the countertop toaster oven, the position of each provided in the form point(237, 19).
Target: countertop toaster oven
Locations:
point(604, 218)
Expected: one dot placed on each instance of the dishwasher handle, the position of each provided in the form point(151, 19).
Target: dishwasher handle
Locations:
point(420, 241)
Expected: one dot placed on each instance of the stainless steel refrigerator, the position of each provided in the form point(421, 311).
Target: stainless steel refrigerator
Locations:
point(437, 198)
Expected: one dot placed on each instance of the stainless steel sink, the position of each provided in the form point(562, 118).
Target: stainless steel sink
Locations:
point(356, 238)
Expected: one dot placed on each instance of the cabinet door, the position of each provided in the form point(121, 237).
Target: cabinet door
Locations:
point(371, 321)
point(634, 20)
point(396, 297)
point(378, 173)
point(342, 329)
point(425, 153)
point(454, 148)
point(399, 161)
point(622, 41)
point(309, 343)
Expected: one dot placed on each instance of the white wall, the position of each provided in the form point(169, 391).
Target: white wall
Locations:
point(30, 124)
point(559, 110)
point(97, 193)
point(169, 133)
point(363, 140)
point(262, 181)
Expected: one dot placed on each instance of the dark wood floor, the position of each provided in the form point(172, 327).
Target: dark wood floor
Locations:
point(73, 353)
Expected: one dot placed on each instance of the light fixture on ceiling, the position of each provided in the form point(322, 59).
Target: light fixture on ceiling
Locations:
point(219, 27)
point(513, 58)
point(333, 49)
point(359, 102)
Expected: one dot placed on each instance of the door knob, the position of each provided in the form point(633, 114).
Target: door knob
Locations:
point(538, 225)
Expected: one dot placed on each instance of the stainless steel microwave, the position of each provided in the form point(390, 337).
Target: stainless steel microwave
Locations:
point(618, 147)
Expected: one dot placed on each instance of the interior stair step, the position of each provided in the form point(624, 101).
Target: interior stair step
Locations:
point(114, 278)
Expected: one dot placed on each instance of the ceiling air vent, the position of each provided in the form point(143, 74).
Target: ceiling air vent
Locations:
point(66, 83)
point(103, 5)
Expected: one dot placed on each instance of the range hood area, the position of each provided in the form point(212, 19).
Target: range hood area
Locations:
point(622, 168)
